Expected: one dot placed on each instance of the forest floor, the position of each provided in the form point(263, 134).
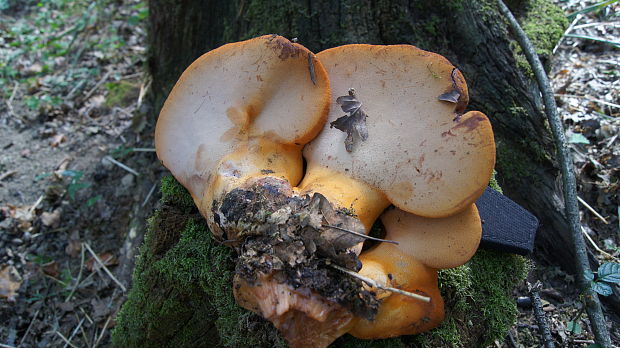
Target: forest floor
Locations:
point(78, 175)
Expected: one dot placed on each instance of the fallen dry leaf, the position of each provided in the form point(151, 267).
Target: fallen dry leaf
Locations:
point(75, 245)
point(10, 281)
point(51, 219)
point(57, 140)
point(51, 269)
point(107, 258)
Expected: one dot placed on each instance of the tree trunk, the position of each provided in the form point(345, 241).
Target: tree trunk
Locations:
point(472, 35)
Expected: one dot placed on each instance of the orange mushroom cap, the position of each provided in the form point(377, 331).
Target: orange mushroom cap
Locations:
point(242, 110)
point(438, 243)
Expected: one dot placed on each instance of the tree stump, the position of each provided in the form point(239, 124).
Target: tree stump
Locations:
point(182, 294)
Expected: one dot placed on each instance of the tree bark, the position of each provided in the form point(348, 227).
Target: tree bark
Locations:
point(471, 34)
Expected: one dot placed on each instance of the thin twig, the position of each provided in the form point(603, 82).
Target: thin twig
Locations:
point(75, 89)
point(86, 315)
point(143, 149)
point(594, 38)
point(97, 85)
point(374, 284)
point(585, 204)
point(568, 30)
point(148, 196)
point(611, 24)
point(9, 102)
point(85, 337)
point(2, 345)
point(8, 174)
point(36, 204)
point(596, 246)
point(586, 97)
point(77, 282)
point(66, 340)
point(123, 166)
point(583, 341)
point(571, 205)
point(361, 234)
point(104, 267)
point(611, 141)
point(74, 332)
point(105, 326)
point(143, 89)
point(34, 317)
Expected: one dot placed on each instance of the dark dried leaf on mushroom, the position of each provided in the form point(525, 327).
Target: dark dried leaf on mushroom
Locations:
point(339, 239)
point(353, 124)
point(453, 94)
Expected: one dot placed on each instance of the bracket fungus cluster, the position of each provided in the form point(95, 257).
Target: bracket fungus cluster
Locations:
point(382, 130)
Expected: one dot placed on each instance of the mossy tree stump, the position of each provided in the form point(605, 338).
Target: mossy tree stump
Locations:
point(182, 293)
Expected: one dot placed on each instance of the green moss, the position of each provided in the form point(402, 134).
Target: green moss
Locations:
point(184, 297)
point(494, 184)
point(121, 93)
point(544, 23)
point(174, 193)
point(480, 307)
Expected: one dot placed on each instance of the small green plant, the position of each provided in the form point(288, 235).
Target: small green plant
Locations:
point(593, 8)
point(607, 275)
point(76, 182)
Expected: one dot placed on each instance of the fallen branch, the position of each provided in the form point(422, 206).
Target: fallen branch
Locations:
point(593, 305)
point(539, 313)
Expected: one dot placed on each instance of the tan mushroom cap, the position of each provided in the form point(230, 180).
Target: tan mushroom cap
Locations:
point(247, 96)
point(439, 243)
point(420, 153)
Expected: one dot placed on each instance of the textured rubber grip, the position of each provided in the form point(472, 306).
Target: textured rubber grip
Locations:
point(506, 226)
